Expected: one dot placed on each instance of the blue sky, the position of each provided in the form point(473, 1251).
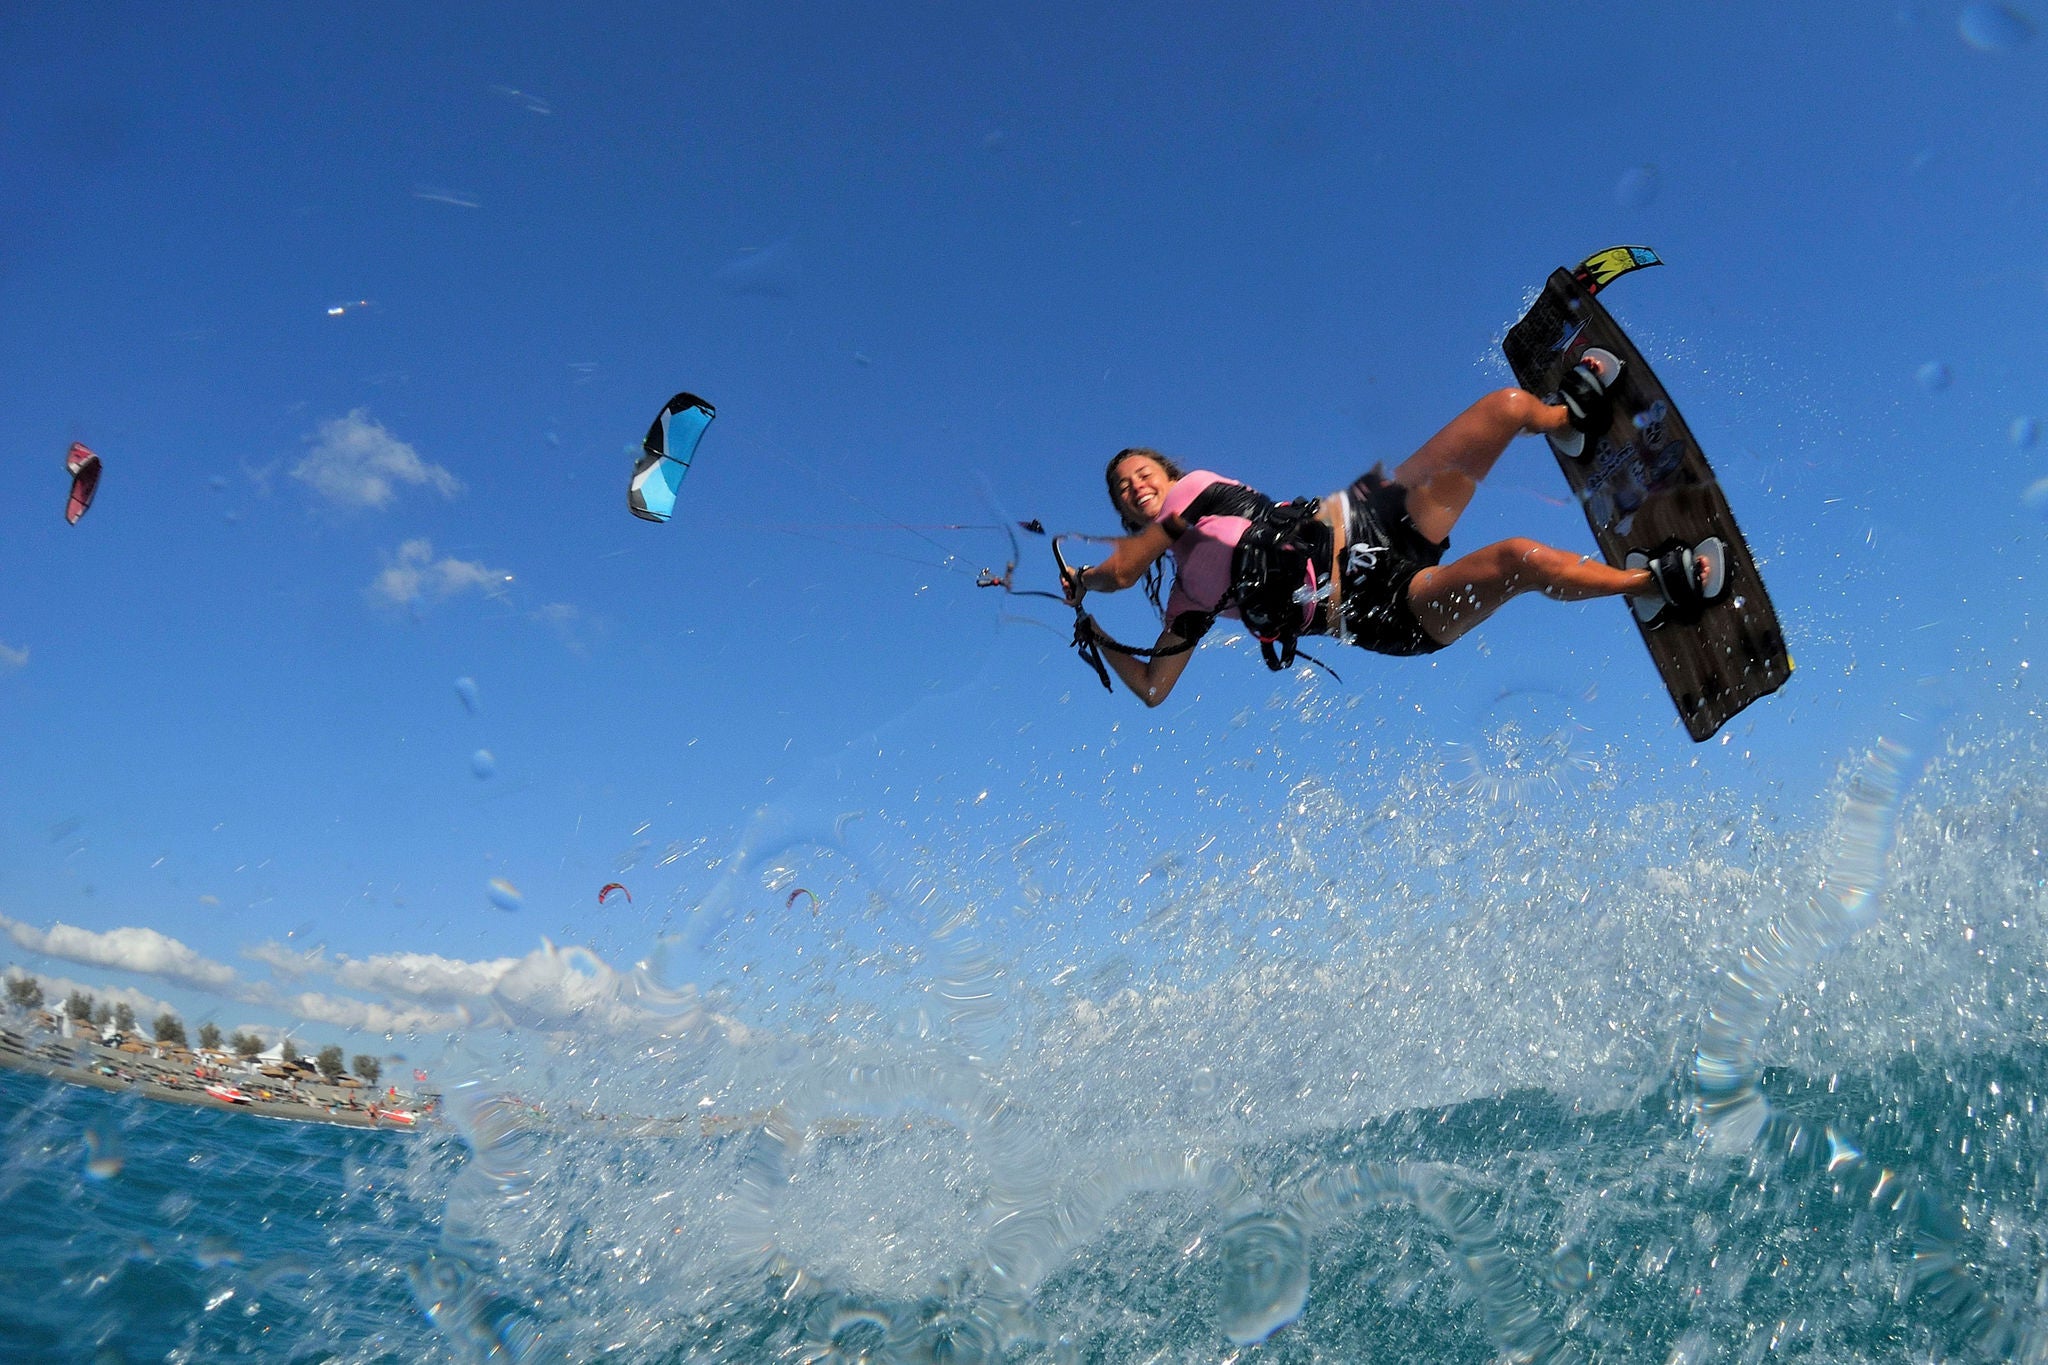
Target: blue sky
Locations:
point(928, 263)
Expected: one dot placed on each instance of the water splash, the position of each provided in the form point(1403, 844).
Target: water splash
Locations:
point(1725, 1064)
point(1480, 1141)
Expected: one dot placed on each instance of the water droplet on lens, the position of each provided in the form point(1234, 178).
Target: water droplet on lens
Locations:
point(465, 688)
point(2035, 499)
point(2025, 431)
point(1694, 1348)
point(1204, 1084)
point(1521, 741)
point(846, 1331)
point(102, 1154)
point(944, 1332)
point(1841, 1152)
point(1935, 376)
point(500, 1132)
point(1265, 1277)
point(774, 271)
point(503, 894)
point(483, 763)
point(1569, 1270)
point(1637, 188)
point(214, 1252)
point(1994, 28)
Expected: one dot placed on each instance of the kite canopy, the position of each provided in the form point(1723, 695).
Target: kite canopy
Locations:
point(85, 480)
point(610, 887)
point(665, 456)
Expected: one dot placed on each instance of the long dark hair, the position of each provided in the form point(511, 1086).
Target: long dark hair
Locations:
point(1155, 576)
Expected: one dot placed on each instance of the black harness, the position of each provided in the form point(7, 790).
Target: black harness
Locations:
point(1285, 548)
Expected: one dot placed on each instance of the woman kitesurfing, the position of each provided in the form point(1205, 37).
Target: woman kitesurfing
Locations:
point(1364, 565)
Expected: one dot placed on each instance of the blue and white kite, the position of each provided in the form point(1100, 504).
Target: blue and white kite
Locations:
point(665, 456)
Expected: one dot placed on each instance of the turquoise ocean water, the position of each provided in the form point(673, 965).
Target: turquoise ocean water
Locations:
point(1711, 1082)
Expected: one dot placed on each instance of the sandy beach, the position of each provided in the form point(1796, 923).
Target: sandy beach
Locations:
point(28, 1059)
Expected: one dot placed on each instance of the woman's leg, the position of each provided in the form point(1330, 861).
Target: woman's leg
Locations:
point(1452, 598)
point(1443, 475)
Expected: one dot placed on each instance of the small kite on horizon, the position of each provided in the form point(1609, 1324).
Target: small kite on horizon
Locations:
point(610, 887)
point(84, 467)
point(790, 904)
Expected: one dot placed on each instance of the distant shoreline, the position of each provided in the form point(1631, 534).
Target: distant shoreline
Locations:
point(290, 1111)
point(17, 1057)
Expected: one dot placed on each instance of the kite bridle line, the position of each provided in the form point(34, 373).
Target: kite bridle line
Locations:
point(947, 561)
point(952, 563)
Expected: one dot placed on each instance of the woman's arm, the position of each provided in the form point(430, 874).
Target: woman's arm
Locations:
point(1126, 563)
point(1150, 679)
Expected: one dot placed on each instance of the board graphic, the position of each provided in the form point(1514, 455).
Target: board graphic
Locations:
point(1645, 485)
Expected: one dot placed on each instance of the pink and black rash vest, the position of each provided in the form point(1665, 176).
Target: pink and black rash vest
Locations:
point(1207, 515)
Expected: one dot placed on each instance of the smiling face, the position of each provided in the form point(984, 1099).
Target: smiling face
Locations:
point(1137, 486)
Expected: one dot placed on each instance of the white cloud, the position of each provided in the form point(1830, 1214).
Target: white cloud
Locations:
point(569, 623)
point(355, 462)
point(561, 615)
point(366, 1016)
point(288, 962)
point(551, 989)
point(12, 658)
point(57, 989)
point(128, 949)
point(413, 575)
point(268, 1033)
point(573, 988)
point(423, 976)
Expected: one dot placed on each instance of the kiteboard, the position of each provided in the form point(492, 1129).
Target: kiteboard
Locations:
point(1646, 486)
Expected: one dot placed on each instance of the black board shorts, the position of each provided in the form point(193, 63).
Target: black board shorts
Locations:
point(1382, 553)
